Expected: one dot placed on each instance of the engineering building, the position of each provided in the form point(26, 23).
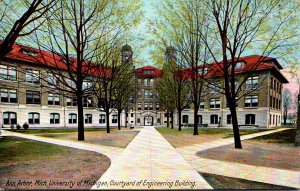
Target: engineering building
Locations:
point(26, 98)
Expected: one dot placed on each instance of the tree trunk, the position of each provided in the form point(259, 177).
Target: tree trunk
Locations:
point(80, 118)
point(179, 120)
point(235, 126)
point(172, 118)
point(284, 116)
point(119, 120)
point(168, 120)
point(297, 138)
point(195, 119)
point(107, 121)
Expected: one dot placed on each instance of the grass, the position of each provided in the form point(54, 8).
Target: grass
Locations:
point(43, 131)
point(186, 137)
point(224, 182)
point(114, 139)
point(28, 160)
point(282, 137)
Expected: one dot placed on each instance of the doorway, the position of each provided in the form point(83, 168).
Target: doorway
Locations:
point(148, 121)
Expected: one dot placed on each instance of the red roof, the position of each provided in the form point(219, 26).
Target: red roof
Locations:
point(251, 63)
point(49, 59)
point(149, 72)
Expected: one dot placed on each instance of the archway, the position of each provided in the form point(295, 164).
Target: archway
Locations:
point(148, 120)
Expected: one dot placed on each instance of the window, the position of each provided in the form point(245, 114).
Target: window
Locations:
point(201, 105)
point(150, 106)
point(271, 85)
point(239, 65)
point(271, 99)
point(214, 103)
point(157, 106)
point(29, 52)
point(32, 76)
point(8, 73)
point(145, 82)
point(214, 119)
point(102, 119)
point(203, 71)
point(138, 120)
point(131, 114)
point(251, 101)
point(71, 101)
point(33, 97)
point(9, 118)
point(151, 82)
point(139, 82)
point(34, 118)
point(139, 106)
point(8, 96)
point(199, 119)
point(148, 72)
point(53, 99)
point(54, 118)
point(70, 83)
point(146, 93)
point(229, 119)
point(87, 84)
point(87, 102)
point(139, 94)
point(72, 118)
point(185, 119)
point(214, 87)
point(88, 118)
point(252, 83)
point(250, 119)
point(52, 79)
point(114, 119)
point(150, 94)
point(146, 106)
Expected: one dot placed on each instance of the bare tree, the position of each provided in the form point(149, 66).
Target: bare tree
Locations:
point(237, 26)
point(31, 20)
point(286, 102)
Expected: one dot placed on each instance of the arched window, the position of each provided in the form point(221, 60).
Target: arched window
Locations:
point(250, 119)
point(199, 119)
point(88, 118)
point(9, 118)
point(72, 118)
point(114, 119)
point(185, 119)
point(214, 119)
point(54, 118)
point(102, 119)
point(34, 118)
point(229, 119)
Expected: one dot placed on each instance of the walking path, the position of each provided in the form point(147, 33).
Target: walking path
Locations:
point(110, 152)
point(150, 162)
point(250, 172)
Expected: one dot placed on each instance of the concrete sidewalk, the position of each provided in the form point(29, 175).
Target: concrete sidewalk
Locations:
point(150, 162)
point(110, 152)
point(281, 177)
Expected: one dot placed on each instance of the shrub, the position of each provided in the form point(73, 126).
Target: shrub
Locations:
point(25, 125)
point(18, 126)
point(12, 126)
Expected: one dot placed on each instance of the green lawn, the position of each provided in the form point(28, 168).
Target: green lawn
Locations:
point(207, 131)
point(186, 137)
point(43, 131)
point(287, 136)
point(28, 160)
point(224, 182)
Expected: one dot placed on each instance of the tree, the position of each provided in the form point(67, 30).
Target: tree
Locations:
point(173, 84)
point(181, 23)
point(125, 88)
point(286, 102)
point(30, 20)
point(237, 27)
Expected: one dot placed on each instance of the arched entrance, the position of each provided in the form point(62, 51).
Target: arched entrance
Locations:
point(148, 120)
